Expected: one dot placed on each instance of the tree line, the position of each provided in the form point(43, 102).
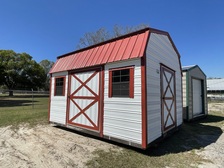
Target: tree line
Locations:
point(20, 71)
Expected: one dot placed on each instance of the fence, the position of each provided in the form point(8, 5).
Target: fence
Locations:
point(25, 99)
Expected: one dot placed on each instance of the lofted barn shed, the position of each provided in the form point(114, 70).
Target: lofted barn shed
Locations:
point(127, 89)
point(194, 93)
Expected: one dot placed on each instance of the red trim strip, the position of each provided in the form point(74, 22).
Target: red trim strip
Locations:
point(81, 97)
point(110, 84)
point(101, 103)
point(68, 100)
point(144, 102)
point(85, 126)
point(131, 83)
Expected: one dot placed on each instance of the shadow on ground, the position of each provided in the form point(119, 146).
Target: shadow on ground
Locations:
point(194, 135)
point(15, 101)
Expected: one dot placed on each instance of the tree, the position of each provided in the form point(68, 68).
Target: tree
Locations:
point(47, 65)
point(102, 34)
point(2, 74)
point(20, 71)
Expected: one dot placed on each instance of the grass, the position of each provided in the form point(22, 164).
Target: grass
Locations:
point(23, 109)
point(178, 150)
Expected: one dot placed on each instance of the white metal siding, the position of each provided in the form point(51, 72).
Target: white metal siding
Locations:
point(194, 73)
point(58, 103)
point(160, 50)
point(184, 87)
point(122, 116)
point(197, 96)
point(197, 73)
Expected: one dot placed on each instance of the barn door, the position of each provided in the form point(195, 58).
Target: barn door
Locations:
point(84, 99)
point(197, 96)
point(168, 98)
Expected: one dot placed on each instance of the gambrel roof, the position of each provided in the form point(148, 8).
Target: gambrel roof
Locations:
point(125, 47)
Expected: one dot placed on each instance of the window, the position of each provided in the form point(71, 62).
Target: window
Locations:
point(121, 82)
point(59, 86)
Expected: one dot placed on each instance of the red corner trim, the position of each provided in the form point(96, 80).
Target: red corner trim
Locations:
point(144, 103)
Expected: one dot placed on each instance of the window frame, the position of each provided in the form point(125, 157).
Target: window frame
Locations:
point(131, 82)
point(63, 87)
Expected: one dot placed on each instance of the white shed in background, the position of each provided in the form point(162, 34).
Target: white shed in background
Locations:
point(194, 93)
point(126, 89)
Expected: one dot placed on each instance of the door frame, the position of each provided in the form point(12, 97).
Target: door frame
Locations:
point(164, 68)
point(202, 96)
point(99, 127)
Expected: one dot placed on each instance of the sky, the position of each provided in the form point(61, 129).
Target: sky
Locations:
point(46, 29)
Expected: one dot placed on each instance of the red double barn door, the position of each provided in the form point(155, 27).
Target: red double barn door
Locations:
point(168, 96)
point(84, 100)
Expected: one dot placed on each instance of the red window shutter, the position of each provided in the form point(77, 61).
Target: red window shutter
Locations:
point(131, 83)
point(64, 80)
point(110, 84)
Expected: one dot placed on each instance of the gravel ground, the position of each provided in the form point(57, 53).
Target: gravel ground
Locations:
point(215, 151)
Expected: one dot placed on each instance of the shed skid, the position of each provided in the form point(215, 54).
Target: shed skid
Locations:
point(127, 89)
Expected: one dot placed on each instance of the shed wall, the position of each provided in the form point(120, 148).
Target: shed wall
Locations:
point(160, 51)
point(197, 74)
point(122, 116)
point(58, 103)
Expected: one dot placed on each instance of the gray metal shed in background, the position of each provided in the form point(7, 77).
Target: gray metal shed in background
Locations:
point(194, 93)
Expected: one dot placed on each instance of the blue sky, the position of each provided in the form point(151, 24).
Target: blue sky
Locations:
point(46, 29)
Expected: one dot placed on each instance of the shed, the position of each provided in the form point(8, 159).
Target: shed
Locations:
point(127, 89)
point(194, 93)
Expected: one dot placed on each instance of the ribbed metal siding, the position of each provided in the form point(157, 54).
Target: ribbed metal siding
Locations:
point(122, 116)
point(196, 73)
point(160, 50)
point(58, 103)
point(129, 47)
point(184, 87)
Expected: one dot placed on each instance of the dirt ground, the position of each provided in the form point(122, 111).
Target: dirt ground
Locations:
point(48, 146)
point(45, 147)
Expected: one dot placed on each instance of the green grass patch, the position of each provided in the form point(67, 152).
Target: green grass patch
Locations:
point(178, 150)
point(23, 109)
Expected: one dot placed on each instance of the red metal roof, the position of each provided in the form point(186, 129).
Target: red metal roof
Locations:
point(125, 47)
